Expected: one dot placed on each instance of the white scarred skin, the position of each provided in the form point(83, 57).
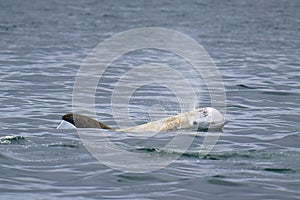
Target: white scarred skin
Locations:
point(207, 118)
point(202, 118)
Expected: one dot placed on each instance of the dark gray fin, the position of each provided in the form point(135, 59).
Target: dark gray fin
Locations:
point(81, 121)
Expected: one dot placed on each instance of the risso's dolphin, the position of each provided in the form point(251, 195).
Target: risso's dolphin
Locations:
point(199, 119)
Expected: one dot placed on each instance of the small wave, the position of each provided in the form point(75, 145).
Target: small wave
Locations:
point(228, 155)
point(12, 139)
point(196, 153)
point(246, 86)
point(224, 182)
point(280, 170)
point(277, 93)
point(264, 90)
point(163, 151)
point(60, 144)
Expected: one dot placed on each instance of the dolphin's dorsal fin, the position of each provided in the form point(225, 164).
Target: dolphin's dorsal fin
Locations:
point(82, 121)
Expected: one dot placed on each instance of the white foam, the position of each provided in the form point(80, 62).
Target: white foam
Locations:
point(65, 125)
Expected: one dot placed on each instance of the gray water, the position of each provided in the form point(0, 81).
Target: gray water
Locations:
point(255, 45)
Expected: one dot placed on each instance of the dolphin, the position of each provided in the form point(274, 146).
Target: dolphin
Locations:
point(199, 119)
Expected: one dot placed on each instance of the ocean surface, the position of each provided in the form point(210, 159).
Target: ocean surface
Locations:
point(256, 47)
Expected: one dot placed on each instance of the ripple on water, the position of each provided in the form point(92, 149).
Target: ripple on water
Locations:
point(12, 139)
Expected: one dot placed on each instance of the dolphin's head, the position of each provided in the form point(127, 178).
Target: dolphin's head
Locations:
point(206, 118)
